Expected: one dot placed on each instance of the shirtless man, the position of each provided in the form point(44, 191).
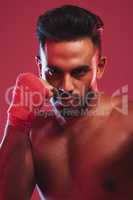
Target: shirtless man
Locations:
point(80, 146)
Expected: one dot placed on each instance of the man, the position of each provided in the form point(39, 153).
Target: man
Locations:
point(69, 139)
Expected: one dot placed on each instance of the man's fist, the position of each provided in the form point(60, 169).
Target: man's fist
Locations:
point(30, 94)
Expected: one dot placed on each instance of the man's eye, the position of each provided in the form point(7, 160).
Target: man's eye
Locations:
point(80, 72)
point(52, 71)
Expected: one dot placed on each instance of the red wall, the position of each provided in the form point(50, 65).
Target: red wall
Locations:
point(19, 45)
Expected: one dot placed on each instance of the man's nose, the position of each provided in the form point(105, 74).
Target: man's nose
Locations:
point(67, 83)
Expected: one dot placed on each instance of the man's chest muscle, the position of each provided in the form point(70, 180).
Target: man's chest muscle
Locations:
point(84, 161)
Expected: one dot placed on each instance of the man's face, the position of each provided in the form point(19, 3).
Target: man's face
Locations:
point(72, 69)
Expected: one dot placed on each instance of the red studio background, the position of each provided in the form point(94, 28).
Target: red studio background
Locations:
point(18, 43)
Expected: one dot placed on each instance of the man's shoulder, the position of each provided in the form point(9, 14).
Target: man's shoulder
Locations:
point(128, 116)
point(121, 111)
point(118, 108)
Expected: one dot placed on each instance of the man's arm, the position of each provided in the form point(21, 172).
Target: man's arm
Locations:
point(17, 179)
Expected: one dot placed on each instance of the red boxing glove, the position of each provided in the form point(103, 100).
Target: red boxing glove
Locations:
point(29, 95)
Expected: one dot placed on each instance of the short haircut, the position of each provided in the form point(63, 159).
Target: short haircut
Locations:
point(67, 23)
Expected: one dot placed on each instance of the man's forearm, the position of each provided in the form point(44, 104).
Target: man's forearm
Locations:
point(16, 165)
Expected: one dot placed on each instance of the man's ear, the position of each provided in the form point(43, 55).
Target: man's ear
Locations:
point(101, 67)
point(39, 65)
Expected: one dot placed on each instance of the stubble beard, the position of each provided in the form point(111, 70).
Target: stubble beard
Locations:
point(80, 106)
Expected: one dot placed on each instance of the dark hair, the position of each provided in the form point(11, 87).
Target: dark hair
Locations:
point(68, 23)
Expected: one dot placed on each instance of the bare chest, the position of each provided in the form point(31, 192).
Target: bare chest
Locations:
point(83, 161)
